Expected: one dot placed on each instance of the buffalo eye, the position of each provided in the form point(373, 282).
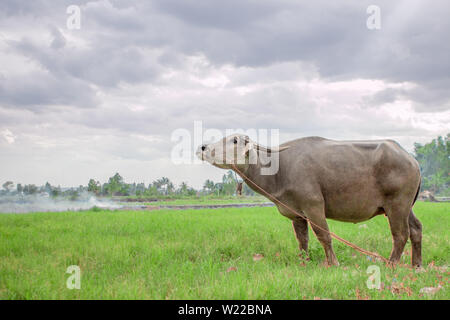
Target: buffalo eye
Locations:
point(235, 141)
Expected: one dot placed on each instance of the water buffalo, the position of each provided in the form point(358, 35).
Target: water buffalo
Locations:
point(350, 181)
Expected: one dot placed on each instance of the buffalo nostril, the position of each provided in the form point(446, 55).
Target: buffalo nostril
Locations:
point(203, 147)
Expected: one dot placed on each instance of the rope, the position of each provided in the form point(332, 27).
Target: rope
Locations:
point(333, 235)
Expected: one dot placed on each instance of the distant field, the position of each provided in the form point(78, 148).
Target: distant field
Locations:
point(207, 200)
point(207, 254)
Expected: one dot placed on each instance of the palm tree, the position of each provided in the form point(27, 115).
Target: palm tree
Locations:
point(164, 185)
point(208, 186)
point(183, 188)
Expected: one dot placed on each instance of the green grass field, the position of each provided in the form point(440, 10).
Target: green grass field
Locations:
point(207, 254)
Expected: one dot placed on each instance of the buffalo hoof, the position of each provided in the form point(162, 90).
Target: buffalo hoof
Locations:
point(304, 256)
point(328, 264)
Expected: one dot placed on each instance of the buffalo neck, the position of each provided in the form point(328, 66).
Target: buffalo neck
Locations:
point(253, 172)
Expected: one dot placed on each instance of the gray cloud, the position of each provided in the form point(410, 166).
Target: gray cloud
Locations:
point(105, 64)
point(38, 91)
point(333, 37)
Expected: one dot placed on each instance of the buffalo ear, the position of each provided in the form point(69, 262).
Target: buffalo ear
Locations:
point(251, 153)
point(248, 146)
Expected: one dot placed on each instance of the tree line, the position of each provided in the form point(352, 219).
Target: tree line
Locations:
point(116, 186)
point(434, 161)
point(164, 187)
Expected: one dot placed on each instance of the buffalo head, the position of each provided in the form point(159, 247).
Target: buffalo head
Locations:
point(236, 149)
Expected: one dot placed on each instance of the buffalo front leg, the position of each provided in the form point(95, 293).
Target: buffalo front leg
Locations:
point(300, 226)
point(320, 227)
point(415, 234)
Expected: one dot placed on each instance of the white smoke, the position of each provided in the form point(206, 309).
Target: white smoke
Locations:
point(19, 203)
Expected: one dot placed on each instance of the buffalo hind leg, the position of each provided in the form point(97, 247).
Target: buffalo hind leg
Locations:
point(300, 226)
point(398, 218)
point(415, 234)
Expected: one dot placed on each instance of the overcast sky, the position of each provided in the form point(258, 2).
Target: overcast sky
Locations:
point(85, 103)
